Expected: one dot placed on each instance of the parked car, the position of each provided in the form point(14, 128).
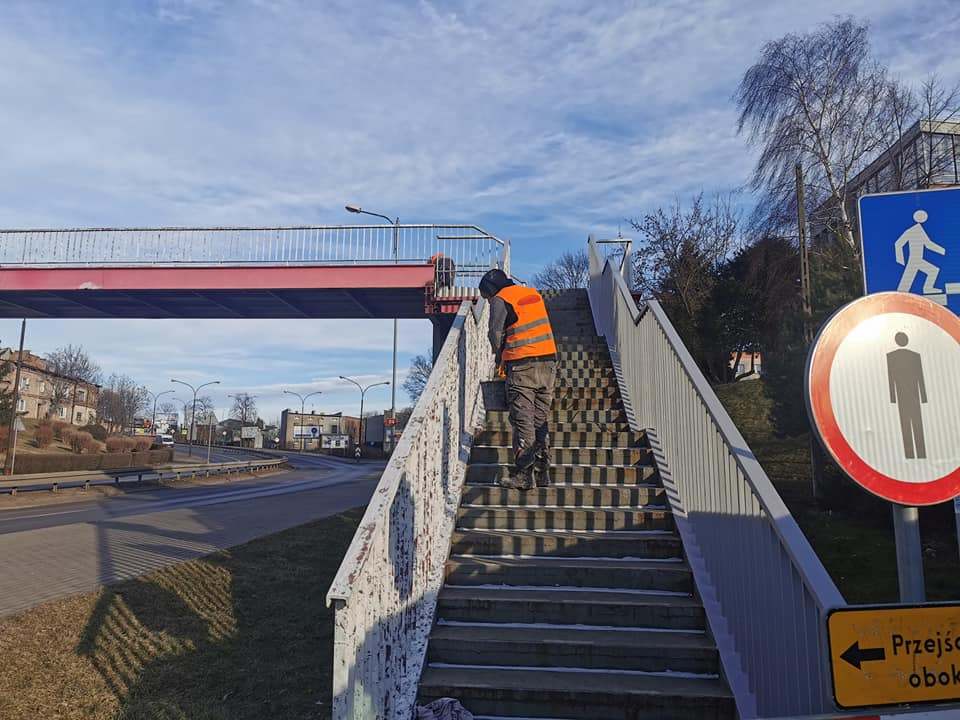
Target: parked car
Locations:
point(165, 440)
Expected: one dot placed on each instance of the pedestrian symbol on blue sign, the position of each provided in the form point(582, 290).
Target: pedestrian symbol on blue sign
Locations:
point(911, 243)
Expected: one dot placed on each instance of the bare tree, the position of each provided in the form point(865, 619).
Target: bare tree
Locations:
point(420, 368)
point(570, 270)
point(821, 100)
point(70, 366)
point(680, 250)
point(244, 408)
point(119, 402)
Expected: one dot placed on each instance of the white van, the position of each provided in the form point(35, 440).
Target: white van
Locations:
point(165, 440)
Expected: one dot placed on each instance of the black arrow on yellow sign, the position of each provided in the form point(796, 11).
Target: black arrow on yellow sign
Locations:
point(856, 655)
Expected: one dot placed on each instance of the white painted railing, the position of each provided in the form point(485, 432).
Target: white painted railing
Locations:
point(385, 593)
point(765, 592)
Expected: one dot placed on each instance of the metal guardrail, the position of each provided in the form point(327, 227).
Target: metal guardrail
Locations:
point(53, 482)
point(765, 592)
point(384, 595)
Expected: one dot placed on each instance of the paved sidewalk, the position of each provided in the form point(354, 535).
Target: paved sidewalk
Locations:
point(52, 552)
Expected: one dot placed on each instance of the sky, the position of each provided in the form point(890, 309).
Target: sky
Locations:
point(542, 122)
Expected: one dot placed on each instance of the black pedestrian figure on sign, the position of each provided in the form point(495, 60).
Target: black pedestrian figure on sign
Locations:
point(908, 392)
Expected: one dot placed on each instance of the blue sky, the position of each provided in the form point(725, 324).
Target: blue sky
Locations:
point(540, 121)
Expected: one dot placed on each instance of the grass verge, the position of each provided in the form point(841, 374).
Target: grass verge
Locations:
point(239, 634)
point(855, 538)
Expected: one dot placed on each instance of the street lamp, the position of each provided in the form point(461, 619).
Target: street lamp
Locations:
point(156, 396)
point(363, 391)
point(303, 400)
point(193, 414)
point(396, 259)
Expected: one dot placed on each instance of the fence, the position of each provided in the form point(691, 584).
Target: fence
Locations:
point(52, 482)
point(384, 595)
point(765, 592)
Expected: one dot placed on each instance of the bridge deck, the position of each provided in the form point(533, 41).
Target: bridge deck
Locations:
point(230, 291)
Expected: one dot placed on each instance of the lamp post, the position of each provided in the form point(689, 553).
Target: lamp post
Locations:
point(363, 392)
point(303, 400)
point(396, 259)
point(193, 414)
point(156, 396)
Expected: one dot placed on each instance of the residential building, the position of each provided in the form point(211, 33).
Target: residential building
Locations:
point(315, 431)
point(44, 393)
point(927, 155)
point(748, 365)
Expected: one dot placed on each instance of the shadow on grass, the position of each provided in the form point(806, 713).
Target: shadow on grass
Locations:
point(240, 634)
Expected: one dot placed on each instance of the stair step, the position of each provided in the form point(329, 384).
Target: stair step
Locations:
point(563, 402)
point(585, 373)
point(583, 392)
point(597, 354)
point(582, 695)
point(569, 439)
point(567, 416)
point(571, 572)
point(567, 496)
point(653, 545)
point(480, 473)
point(568, 605)
point(586, 364)
point(580, 341)
point(578, 382)
point(567, 427)
point(624, 457)
point(518, 517)
point(551, 646)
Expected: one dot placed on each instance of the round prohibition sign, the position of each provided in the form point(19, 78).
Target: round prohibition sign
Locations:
point(870, 324)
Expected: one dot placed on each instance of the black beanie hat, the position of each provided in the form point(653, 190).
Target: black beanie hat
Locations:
point(493, 282)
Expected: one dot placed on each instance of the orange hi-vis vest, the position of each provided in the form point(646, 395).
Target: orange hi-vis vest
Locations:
point(531, 335)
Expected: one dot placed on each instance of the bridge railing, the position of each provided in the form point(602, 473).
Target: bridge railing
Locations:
point(384, 595)
point(765, 592)
point(472, 249)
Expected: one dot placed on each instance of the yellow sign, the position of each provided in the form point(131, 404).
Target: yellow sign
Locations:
point(895, 654)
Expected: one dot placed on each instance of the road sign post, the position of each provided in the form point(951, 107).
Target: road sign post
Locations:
point(906, 531)
point(887, 655)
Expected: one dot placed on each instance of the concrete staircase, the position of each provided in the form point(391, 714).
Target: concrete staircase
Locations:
point(572, 602)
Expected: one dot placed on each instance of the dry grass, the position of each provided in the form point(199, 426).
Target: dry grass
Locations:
point(239, 634)
point(854, 541)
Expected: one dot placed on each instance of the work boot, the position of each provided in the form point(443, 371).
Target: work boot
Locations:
point(541, 468)
point(514, 479)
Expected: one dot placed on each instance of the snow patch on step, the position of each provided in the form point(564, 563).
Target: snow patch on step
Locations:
point(557, 626)
point(576, 671)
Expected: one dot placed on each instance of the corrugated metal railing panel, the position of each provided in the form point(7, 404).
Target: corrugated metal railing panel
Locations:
point(765, 591)
point(385, 593)
point(472, 249)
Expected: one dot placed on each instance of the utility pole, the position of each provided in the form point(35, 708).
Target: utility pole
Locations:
point(806, 304)
point(12, 434)
point(816, 465)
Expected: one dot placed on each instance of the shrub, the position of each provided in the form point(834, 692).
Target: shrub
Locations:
point(4, 436)
point(90, 444)
point(115, 444)
point(142, 444)
point(67, 433)
point(129, 444)
point(43, 435)
point(58, 428)
point(80, 441)
point(99, 432)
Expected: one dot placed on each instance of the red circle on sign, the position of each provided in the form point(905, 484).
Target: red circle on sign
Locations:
point(820, 407)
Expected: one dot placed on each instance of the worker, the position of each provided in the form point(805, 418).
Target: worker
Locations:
point(522, 340)
point(445, 269)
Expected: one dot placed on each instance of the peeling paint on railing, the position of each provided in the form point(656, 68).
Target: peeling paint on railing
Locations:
point(384, 595)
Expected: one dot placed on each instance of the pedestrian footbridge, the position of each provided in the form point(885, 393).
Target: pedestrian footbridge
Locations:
point(660, 576)
point(349, 271)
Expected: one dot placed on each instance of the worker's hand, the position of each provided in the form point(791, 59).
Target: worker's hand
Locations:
point(501, 372)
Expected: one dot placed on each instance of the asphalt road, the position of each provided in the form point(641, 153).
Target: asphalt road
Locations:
point(53, 551)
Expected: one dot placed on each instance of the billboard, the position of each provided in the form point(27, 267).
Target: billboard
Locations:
point(249, 433)
point(306, 431)
point(334, 442)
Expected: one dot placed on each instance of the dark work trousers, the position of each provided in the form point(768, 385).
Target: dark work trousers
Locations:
point(529, 394)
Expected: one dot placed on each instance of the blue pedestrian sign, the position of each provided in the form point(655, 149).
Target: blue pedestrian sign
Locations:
point(911, 243)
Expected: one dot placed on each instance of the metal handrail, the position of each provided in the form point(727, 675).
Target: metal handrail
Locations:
point(765, 592)
point(468, 245)
point(33, 482)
